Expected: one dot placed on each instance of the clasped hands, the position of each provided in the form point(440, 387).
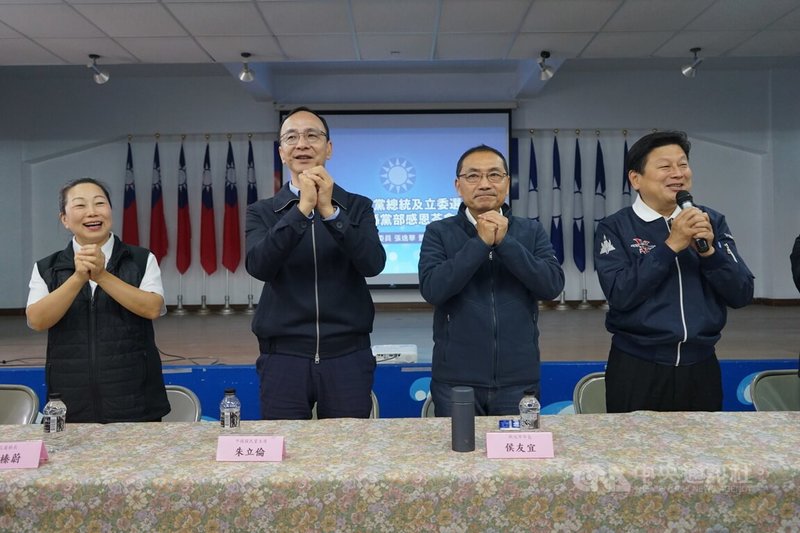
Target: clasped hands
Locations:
point(492, 227)
point(90, 263)
point(316, 189)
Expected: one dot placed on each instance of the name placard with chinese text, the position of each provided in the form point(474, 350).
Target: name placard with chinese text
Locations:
point(249, 448)
point(24, 454)
point(519, 445)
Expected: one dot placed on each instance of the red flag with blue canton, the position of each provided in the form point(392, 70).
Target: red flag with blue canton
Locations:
point(158, 224)
point(231, 238)
point(208, 236)
point(277, 168)
point(130, 218)
point(184, 254)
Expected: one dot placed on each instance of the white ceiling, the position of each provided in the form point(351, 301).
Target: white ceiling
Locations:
point(404, 34)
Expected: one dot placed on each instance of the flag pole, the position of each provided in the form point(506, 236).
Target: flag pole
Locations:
point(203, 307)
point(179, 310)
point(562, 303)
point(584, 302)
point(250, 307)
point(227, 309)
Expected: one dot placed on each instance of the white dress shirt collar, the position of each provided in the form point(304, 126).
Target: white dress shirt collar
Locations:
point(647, 213)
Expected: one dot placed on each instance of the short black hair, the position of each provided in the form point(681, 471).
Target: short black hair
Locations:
point(637, 155)
point(480, 148)
point(307, 110)
point(62, 194)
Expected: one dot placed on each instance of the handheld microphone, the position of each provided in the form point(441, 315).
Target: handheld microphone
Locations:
point(684, 200)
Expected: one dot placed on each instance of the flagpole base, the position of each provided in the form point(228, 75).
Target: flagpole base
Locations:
point(179, 310)
point(250, 307)
point(562, 304)
point(584, 302)
point(227, 309)
point(542, 307)
point(603, 306)
point(204, 310)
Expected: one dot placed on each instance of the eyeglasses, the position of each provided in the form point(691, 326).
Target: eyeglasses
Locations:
point(474, 177)
point(312, 136)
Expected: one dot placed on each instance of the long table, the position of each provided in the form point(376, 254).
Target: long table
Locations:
point(643, 471)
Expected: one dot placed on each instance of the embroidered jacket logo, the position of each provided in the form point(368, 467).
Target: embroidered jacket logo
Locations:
point(606, 246)
point(643, 246)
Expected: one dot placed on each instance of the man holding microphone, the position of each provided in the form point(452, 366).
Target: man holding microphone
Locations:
point(667, 292)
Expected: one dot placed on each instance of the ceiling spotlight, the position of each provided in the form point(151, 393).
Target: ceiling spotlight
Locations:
point(546, 70)
point(690, 70)
point(100, 77)
point(246, 75)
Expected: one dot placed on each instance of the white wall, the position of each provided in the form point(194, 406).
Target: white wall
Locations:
point(782, 206)
point(15, 221)
point(745, 129)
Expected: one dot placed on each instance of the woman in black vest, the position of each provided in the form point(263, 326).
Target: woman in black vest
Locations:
point(97, 299)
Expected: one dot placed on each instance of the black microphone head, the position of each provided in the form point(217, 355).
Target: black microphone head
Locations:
point(684, 197)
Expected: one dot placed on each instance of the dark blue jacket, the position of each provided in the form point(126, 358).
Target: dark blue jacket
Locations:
point(666, 307)
point(101, 357)
point(315, 300)
point(486, 299)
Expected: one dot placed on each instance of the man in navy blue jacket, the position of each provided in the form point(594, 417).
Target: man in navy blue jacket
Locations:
point(667, 300)
point(312, 245)
point(484, 271)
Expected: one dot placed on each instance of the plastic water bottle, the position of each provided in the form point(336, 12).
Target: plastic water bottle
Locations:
point(529, 411)
point(230, 410)
point(55, 420)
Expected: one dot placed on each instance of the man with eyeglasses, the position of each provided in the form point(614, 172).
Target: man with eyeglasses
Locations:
point(312, 244)
point(484, 271)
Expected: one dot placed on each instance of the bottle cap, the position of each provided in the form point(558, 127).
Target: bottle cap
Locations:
point(530, 392)
point(230, 391)
point(463, 395)
point(54, 396)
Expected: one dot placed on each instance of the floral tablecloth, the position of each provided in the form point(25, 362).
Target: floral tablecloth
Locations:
point(641, 471)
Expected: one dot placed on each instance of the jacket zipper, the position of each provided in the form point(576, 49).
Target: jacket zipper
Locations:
point(730, 252)
point(96, 406)
point(683, 314)
point(316, 288)
point(494, 318)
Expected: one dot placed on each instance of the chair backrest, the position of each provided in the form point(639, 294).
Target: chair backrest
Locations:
point(776, 390)
point(375, 412)
point(589, 395)
point(376, 409)
point(18, 404)
point(428, 409)
point(184, 403)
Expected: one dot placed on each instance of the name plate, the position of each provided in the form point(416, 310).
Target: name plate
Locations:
point(23, 454)
point(252, 448)
point(519, 445)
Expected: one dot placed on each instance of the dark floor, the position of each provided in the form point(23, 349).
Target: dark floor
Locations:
point(755, 332)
